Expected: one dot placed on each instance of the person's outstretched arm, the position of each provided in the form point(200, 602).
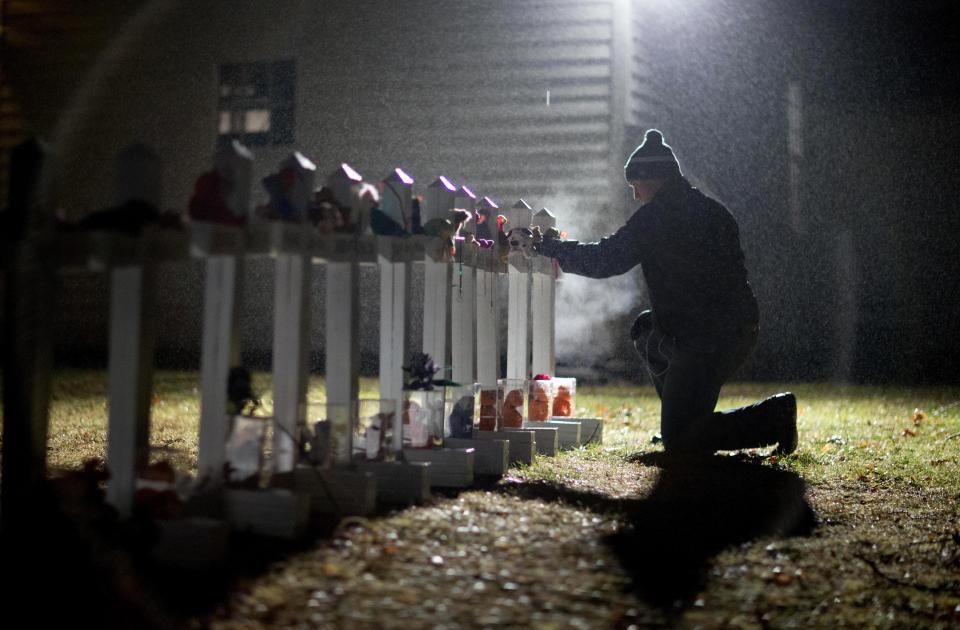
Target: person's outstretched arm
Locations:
point(610, 256)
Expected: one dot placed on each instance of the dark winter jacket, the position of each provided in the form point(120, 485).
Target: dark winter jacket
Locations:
point(688, 246)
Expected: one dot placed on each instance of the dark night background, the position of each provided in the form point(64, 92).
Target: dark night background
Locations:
point(863, 285)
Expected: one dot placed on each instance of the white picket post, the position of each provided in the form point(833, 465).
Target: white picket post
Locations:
point(222, 294)
point(130, 381)
point(518, 307)
point(132, 336)
point(394, 302)
point(437, 204)
point(488, 312)
point(291, 351)
point(394, 329)
point(291, 328)
point(464, 324)
point(342, 329)
point(518, 358)
point(463, 302)
point(342, 316)
point(220, 350)
point(543, 305)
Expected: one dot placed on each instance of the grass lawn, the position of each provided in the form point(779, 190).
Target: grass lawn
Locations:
point(605, 537)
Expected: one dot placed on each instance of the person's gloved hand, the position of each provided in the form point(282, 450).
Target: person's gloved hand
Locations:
point(544, 243)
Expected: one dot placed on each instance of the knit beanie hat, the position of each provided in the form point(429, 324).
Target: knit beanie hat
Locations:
point(652, 159)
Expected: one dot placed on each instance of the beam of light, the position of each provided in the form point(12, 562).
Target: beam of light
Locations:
point(352, 174)
point(406, 179)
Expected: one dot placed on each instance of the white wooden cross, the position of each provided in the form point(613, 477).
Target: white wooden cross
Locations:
point(291, 326)
point(132, 336)
point(518, 314)
point(395, 276)
point(543, 302)
point(488, 313)
point(437, 204)
point(463, 301)
point(343, 308)
point(222, 295)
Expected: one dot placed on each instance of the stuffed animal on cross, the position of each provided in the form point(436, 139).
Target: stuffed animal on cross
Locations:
point(447, 229)
point(521, 240)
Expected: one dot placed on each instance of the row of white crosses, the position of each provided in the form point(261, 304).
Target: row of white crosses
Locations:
point(461, 325)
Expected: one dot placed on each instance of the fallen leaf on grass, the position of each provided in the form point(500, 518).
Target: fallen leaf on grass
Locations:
point(782, 579)
point(909, 433)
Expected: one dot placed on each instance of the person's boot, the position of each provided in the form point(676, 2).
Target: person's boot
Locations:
point(764, 423)
point(784, 418)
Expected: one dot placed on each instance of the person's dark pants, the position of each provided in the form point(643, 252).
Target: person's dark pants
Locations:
point(688, 375)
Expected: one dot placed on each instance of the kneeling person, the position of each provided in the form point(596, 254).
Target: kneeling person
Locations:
point(703, 320)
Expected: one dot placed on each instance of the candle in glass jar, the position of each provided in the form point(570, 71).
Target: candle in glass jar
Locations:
point(561, 402)
point(488, 410)
point(513, 409)
point(539, 407)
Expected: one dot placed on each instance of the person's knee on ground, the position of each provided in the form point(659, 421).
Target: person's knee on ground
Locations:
point(685, 424)
point(685, 443)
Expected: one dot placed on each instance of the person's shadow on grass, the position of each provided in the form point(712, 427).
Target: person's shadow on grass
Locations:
point(698, 508)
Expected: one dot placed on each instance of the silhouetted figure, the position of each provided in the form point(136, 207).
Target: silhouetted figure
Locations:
point(704, 318)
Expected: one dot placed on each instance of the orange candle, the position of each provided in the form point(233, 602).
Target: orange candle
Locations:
point(488, 410)
point(512, 415)
point(563, 402)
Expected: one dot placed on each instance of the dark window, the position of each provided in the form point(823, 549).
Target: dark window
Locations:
point(256, 102)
